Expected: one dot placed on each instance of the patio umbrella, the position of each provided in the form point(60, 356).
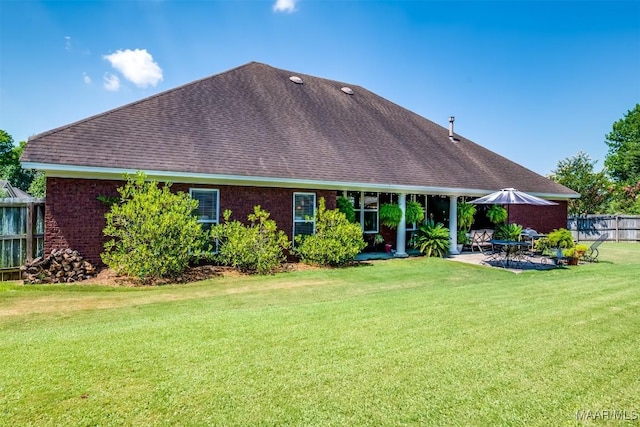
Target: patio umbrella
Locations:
point(511, 196)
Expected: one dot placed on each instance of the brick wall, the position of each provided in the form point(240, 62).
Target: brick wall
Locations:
point(74, 218)
point(543, 219)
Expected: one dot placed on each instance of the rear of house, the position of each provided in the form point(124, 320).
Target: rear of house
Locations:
point(258, 135)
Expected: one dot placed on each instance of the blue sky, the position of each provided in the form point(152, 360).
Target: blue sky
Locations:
point(533, 81)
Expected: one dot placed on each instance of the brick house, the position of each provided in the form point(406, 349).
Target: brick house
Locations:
point(261, 135)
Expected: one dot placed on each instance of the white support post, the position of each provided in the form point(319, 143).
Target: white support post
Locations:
point(453, 225)
point(362, 210)
point(401, 250)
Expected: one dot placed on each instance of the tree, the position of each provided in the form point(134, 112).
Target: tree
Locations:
point(10, 167)
point(577, 173)
point(38, 187)
point(623, 158)
point(6, 149)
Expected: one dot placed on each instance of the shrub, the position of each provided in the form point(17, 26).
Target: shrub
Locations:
point(345, 206)
point(433, 240)
point(154, 232)
point(336, 241)
point(255, 248)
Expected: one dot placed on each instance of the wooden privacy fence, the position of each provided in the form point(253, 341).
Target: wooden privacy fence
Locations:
point(21, 234)
point(620, 228)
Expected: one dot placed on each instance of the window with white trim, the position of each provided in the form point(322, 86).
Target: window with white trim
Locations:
point(208, 206)
point(365, 205)
point(304, 212)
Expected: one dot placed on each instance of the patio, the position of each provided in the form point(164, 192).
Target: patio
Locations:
point(478, 258)
point(533, 263)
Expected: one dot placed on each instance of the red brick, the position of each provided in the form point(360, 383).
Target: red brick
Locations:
point(74, 217)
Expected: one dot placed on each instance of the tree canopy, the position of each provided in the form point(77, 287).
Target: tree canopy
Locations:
point(577, 173)
point(623, 157)
point(6, 149)
point(10, 168)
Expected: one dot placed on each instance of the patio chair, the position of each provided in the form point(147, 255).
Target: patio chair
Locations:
point(480, 240)
point(592, 253)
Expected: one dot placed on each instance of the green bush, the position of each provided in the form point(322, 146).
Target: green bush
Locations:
point(560, 238)
point(255, 248)
point(433, 240)
point(345, 206)
point(153, 231)
point(508, 232)
point(336, 241)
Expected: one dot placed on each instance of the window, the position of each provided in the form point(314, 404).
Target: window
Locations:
point(304, 211)
point(207, 207)
point(365, 205)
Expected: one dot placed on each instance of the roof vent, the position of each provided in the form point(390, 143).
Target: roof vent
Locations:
point(347, 90)
point(296, 80)
point(452, 137)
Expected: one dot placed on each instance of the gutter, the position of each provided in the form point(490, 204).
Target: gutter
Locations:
point(92, 172)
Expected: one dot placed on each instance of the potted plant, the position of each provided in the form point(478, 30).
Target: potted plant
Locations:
point(497, 214)
point(378, 241)
point(390, 215)
point(579, 252)
point(466, 212)
point(560, 239)
point(414, 212)
point(463, 239)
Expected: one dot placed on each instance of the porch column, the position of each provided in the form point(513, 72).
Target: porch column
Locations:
point(453, 224)
point(401, 237)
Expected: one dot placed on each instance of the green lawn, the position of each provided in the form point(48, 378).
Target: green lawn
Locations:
point(401, 342)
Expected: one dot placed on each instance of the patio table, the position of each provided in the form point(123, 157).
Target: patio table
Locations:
point(509, 251)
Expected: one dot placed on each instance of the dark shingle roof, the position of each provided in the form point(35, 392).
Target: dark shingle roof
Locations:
point(253, 121)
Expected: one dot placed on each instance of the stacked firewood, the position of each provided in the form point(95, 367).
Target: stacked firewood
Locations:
point(61, 266)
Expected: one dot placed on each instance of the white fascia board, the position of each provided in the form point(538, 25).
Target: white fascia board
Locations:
point(92, 172)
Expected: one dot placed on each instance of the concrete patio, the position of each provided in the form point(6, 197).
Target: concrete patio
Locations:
point(533, 262)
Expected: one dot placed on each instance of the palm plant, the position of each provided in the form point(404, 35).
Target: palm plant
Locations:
point(466, 212)
point(433, 240)
point(508, 232)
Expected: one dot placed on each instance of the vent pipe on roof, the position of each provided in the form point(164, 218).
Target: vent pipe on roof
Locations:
point(452, 138)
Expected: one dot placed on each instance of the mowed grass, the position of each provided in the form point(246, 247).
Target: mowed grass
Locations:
point(401, 342)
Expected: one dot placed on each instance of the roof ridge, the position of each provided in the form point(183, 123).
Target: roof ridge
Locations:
point(130, 104)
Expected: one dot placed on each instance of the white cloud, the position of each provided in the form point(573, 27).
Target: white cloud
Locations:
point(67, 42)
point(111, 82)
point(137, 66)
point(86, 78)
point(285, 6)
